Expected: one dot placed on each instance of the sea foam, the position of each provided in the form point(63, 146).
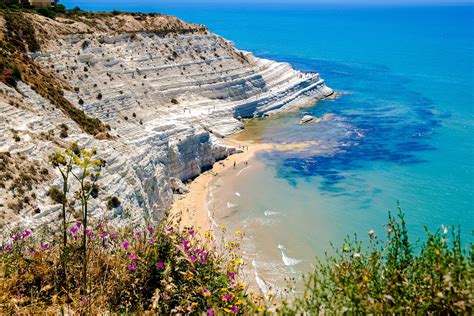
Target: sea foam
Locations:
point(261, 284)
point(287, 260)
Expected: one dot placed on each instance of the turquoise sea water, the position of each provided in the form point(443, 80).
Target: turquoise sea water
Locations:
point(405, 131)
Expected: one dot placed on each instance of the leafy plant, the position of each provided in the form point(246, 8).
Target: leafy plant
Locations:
point(392, 276)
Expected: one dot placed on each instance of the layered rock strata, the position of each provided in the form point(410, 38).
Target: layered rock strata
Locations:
point(168, 90)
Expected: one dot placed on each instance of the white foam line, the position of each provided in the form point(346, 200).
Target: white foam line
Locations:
point(261, 284)
point(287, 260)
point(231, 205)
point(238, 173)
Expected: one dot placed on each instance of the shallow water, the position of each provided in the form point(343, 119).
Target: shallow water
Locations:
point(404, 132)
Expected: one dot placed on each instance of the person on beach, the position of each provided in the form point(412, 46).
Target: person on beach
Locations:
point(234, 164)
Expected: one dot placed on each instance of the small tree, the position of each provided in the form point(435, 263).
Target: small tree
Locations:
point(63, 162)
point(87, 175)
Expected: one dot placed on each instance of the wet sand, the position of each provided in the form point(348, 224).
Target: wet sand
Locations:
point(191, 208)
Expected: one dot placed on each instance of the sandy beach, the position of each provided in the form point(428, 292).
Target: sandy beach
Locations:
point(191, 208)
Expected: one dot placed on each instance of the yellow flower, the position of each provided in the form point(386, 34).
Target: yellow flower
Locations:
point(365, 278)
point(238, 232)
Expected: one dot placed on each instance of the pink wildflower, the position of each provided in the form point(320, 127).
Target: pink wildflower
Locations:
point(211, 312)
point(15, 238)
point(235, 309)
point(226, 297)
point(151, 240)
point(159, 265)
point(125, 245)
point(138, 235)
point(150, 229)
point(103, 235)
point(192, 232)
point(78, 224)
point(231, 275)
point(44, 246)
point(132, 267)
point(73, 230)
point(84, 299)
point(193, 259)
point(20, 295)
point(26, 233)
point(132, 257)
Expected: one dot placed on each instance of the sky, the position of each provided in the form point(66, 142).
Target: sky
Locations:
point(121, 3)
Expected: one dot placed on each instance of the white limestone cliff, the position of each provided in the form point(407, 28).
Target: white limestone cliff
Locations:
point(169, 90)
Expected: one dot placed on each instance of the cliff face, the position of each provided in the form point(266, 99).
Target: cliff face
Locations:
point(166, 89)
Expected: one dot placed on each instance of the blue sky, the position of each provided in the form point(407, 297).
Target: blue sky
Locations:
point(125, 3)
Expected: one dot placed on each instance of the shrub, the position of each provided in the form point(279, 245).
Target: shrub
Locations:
point(16, 73)
point(113, 202)
point(99, 96)
point(64, 130)
point(56, 194)
point(174, 101)
point(63, 134)
point(392, 276)
point(159, 269)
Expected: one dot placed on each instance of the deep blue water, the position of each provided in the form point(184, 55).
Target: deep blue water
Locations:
point(405, 130)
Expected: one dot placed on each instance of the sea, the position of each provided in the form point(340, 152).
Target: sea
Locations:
point(401, 133)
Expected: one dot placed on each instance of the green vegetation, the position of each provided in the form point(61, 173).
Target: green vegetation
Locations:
point(167, 270)
point(113, 202)
point(155, 268)
point(393, 276)
point(56, 195)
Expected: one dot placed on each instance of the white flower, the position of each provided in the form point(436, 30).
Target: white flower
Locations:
point(357, 255)
point(371, 233)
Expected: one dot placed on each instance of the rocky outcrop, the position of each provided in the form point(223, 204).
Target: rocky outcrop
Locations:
point(167, 89)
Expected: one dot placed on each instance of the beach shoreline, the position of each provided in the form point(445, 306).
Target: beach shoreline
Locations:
point(190, 209)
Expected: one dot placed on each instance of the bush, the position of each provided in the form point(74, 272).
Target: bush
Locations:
point(16, 73)
point(392, 276)
point(174, 101)
point(56, 194)
point(113, 202)
point(158, 269)
point(64, 130)
point(47, 12)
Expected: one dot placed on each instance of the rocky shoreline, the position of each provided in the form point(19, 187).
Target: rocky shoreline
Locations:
point(168, 91)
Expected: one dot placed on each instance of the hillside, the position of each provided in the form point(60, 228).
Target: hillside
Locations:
point(152, 93)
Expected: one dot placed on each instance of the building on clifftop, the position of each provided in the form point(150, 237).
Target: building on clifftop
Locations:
point(41, 3)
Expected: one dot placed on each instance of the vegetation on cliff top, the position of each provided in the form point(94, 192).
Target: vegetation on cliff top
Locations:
point(89, 267)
